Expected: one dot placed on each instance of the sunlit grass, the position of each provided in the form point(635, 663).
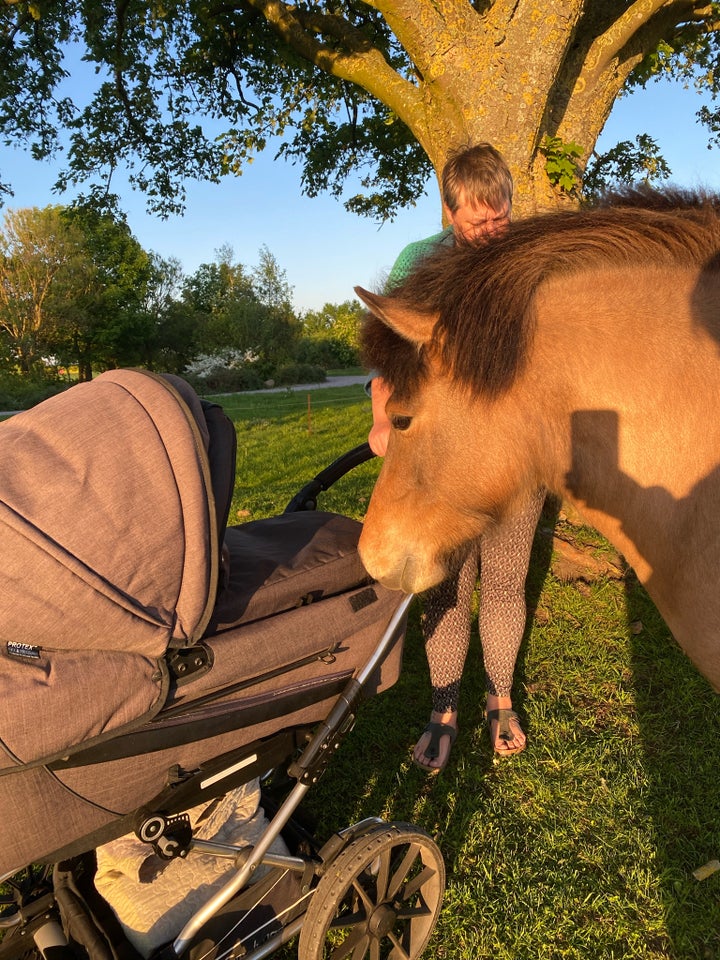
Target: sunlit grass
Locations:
point(584, 846)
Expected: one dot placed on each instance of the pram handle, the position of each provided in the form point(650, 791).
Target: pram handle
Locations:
point(306, 498)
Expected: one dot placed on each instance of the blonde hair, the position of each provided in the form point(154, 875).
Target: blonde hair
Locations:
point(480, 172)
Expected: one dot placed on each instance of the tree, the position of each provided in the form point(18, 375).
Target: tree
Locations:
point(99, 320)
point(72, 285)
point(172, 331)
point(39, 252)
point(384, 88)
point(275, 294)
point(224, 304)
point(333, 334)
point(246, 310)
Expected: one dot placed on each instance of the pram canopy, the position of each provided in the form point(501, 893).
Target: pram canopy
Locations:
point(108, 555)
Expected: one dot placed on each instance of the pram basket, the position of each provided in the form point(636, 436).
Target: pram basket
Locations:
point(162, 674)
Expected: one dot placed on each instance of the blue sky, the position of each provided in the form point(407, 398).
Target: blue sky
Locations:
point(324, 250)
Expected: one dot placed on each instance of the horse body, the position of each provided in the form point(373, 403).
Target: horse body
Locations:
point(613, 406)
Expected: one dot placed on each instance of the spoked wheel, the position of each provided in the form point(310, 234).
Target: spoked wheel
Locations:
point(380, 898)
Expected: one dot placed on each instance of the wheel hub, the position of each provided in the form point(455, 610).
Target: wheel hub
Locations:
point(382, 920)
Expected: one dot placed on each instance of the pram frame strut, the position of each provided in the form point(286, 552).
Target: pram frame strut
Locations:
point(308, 769)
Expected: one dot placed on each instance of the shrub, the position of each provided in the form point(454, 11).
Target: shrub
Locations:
point(326, 352)
point(21, 393)
point(226, 372)
point(292, 373)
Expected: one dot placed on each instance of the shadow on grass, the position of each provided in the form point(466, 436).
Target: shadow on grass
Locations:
point(679, 720)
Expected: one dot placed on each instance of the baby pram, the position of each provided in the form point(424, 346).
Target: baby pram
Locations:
point(154, 660)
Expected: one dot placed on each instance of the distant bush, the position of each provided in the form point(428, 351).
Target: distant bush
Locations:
point(225, 380)
point(225, 372)
point(236, 370)
point(21, 393)
point(291, 373)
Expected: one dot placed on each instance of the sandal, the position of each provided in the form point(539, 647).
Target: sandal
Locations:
point(436, 731)
point(503, 717)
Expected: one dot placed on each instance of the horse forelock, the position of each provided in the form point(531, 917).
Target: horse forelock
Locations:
point(485, 294)
point(398, 361)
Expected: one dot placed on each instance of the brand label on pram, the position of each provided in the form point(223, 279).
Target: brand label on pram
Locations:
point(26, 650)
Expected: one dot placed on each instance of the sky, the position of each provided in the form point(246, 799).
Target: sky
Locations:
point(324, 250)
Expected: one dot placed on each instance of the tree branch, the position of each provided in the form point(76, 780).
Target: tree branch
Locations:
point(628, 32)
point(358, 61)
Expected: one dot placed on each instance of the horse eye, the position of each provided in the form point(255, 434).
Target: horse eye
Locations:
point(401, 423)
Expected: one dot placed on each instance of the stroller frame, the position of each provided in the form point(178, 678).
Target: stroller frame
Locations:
point(374, 889)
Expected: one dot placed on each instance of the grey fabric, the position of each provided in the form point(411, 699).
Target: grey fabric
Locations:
point(103, 499)
point(287, 561)
point(43, 811)
point(69, 698)
point(38, 813)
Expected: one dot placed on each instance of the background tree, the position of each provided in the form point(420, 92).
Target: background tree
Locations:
point(247, 310)
point(331, 335)
point(172, 339)
point(225, 306)
point(280, 328)
point(99, 320)
point(72, 286)
point(39, 253)
point(383, 88)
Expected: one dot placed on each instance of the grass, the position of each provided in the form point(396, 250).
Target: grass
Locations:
point(284, 439)
point(583, 846)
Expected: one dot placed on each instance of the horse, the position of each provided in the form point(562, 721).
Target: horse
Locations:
point(579, 352)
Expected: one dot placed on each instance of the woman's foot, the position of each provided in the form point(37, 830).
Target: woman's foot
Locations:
point(432, 751)
point(506, 734)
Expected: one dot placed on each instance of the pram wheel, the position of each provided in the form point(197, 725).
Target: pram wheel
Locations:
point(380, 898)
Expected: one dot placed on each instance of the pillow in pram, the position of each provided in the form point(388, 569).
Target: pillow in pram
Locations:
point(154, 898)
point(288, 561)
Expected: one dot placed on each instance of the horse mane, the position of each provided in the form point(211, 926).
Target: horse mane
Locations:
point(483, 294)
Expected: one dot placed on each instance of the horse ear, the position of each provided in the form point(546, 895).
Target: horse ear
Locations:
point(409, 324)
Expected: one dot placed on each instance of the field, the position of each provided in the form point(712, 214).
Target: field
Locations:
point(584, 846)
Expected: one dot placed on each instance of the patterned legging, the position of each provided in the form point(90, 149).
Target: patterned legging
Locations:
point(503, 556)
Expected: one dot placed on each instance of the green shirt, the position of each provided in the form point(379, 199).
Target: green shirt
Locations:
point(409, 255)
point(406, 260)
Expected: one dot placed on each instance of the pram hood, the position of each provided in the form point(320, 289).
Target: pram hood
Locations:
point(98, 575)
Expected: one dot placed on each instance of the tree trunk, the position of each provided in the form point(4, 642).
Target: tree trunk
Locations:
point(511, 72)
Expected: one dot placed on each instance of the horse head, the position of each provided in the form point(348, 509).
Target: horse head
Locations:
point(576, 352)
point(423, 513)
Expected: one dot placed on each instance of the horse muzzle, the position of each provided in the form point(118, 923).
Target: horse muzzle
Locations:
point(405, 572)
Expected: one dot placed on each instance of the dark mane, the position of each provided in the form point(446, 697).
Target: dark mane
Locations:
point(483, 295)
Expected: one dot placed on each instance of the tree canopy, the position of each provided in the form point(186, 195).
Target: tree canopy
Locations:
point(72, 284)
point(379, 88)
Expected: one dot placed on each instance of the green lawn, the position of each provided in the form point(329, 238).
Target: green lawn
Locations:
point(582, 847)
